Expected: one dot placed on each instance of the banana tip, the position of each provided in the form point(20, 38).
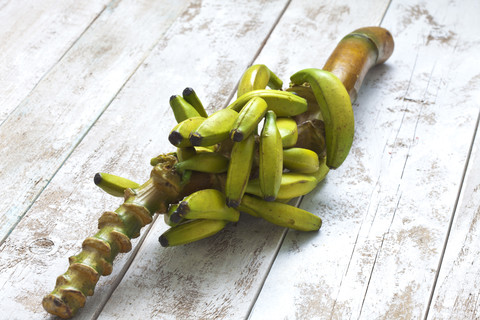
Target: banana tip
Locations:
point(269, 198)
point(97, 179)
point(236, 135)
point(163, 241)
point(195, 139)
point(173, 97)
point(175, 138)
point(233, 203)
point(187, 91)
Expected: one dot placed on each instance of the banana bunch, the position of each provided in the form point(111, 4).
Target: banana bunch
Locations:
point(256, 148)
point(253, 146)
point(265, 148)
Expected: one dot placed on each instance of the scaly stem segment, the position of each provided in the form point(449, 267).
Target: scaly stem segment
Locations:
point(116, 230)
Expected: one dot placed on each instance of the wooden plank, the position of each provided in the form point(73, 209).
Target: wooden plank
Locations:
point(219, 278)
point(456, 293)
point(35, 35)
point(386, 210)
point(55, 116)
point(134, 128)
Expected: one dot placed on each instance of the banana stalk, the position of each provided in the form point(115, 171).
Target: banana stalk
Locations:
point(350, 61)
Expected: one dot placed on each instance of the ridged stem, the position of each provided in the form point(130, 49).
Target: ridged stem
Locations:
point(116, 229)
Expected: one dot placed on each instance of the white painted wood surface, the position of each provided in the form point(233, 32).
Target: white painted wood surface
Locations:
point(99, 102)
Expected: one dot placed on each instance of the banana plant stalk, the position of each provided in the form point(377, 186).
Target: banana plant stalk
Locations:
point(350, 61)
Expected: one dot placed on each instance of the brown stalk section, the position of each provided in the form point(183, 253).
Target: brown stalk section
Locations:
point(352, 58)
point(356, 53)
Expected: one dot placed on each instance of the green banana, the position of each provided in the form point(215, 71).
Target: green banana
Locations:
point(271, 158)
point(288, 131)
point(300, 160)
point(239, 170)
point(210, 162)
point(214, 129)
point(191, 231)
point(258, 77)
point(112, 184)
point(168, 215)
point(281, 214)
point(182, 110)
point(191, 97)
point(336, 108)
point(248, 119)
point(292, 185)
point(179, 136)
point(205, 204)
point(283, 103)
point(185, 153)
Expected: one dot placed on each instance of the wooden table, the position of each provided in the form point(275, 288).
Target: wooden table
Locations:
point(84, 88)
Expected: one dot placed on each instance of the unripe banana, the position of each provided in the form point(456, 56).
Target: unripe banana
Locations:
point(248, 118)
point(336, 109)
point(283, 103)
point(185, 153)
point(182, 109)
point(258, 77)
point(281, 214)
point(210, 162)
point(191, 97)
point(205, 204)
point(239, 170)
point(168, 215)
point(112, 184)
point(300, 160)
point(288, 131)
point(271, 158)
point(292, 185)
point(179, 136)
point(322, 171)
point(191, 231)
point(214, 129)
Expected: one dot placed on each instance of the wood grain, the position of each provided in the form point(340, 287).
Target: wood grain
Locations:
point(35, 35)
point(178, 282)
point(54, 117)
point(386, 210)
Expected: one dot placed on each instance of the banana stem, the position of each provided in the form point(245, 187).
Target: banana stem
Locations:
point(116, 230)
point(356, 53)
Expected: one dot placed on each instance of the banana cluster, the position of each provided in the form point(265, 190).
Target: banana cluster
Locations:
point(254, 145)
point(260, 147)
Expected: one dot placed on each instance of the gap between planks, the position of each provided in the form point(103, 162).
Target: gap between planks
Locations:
point(102, 111)
point(133, 254)
point(452, 217)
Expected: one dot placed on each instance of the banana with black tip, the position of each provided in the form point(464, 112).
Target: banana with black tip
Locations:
point(205, 204)
point(168, 215)
point(179, 136)
point(336, 108)
point(256, 77)
point(191, 231)
point(239, 169)
point(191, 97)
point(283, 103)
point(214, 129)
point(281, 214)
point(270, 158)
point(112, 184)
point(248, 119)
point(182, 110)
